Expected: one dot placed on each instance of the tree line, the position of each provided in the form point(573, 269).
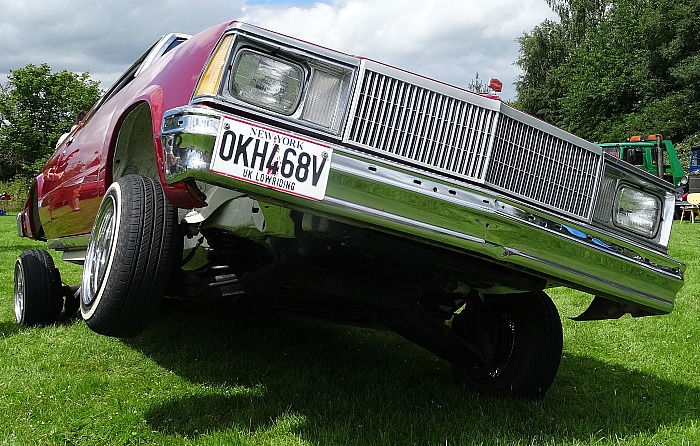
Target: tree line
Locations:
point(609, 69)
point(36, 107)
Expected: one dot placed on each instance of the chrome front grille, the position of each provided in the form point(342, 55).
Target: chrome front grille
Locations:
point(422, 125)
point(456, 136)
point(606, 200)
point(533, 164)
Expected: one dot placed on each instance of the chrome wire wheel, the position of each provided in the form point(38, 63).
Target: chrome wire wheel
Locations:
point(20, 291)
point(130, 257)
point(100, 251)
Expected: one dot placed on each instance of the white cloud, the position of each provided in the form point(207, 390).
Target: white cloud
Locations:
point(446, 39)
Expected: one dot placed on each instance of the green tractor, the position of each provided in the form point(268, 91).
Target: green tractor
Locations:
point(652, 153)
point(658, 156)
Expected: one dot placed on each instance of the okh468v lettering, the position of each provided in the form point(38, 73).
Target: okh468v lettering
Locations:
point(273, 159)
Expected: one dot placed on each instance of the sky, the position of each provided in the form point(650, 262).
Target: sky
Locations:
point(448, 40)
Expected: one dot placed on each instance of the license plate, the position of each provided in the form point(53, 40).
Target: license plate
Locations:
point(271, 158)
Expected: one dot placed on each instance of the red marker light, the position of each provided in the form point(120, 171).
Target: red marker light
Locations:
point(495, 85)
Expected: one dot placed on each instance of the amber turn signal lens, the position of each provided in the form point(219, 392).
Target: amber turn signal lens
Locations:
point(211, 78)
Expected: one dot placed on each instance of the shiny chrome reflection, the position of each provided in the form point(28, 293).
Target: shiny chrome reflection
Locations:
point(19, 291)
point(99, 250)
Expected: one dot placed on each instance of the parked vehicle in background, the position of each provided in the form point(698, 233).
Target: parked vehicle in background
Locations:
point(690, 184)
point(694, 162)
point(652, 153)
point(246, 164)
point(658, 156)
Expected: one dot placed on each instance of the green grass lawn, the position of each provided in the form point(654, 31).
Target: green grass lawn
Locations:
point(213, 376)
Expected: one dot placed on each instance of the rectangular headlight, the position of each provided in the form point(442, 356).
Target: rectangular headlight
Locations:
point(637, 211)
point(267, 82)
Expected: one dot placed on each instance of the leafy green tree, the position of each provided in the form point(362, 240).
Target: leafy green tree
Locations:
point(542, 52)
point(608, 70)
point(578, 17)
point(477, 85)
point(36, 108)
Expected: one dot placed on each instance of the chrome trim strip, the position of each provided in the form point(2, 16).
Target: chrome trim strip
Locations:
point(393, 218)
point(290, 42)
point(74, 243)
point(77, 257)
point(663, 304)
point(360, 74)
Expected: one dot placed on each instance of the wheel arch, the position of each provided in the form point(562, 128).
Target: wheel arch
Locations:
point(134, 146)
point(137, 150)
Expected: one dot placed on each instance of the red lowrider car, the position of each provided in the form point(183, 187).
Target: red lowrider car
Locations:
point(243, 163)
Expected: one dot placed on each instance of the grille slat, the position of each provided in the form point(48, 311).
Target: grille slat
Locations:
point(390, 130)
point(452, 132)
point(454, 136)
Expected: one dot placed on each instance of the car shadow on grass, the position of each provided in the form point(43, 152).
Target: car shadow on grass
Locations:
point(263, 372)
point(11, 328)
point(8, 329)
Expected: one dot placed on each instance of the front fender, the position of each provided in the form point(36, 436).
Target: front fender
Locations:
point(180, 195)
point(135, 147)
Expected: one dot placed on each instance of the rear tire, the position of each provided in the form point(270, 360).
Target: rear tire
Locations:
point(130, 257)
point(38, 299)
point(520, 336)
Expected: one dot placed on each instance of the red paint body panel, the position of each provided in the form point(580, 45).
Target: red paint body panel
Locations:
point(75, 178)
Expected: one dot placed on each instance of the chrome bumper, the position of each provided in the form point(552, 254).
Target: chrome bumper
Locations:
point(365, 190)
point(20, 225)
